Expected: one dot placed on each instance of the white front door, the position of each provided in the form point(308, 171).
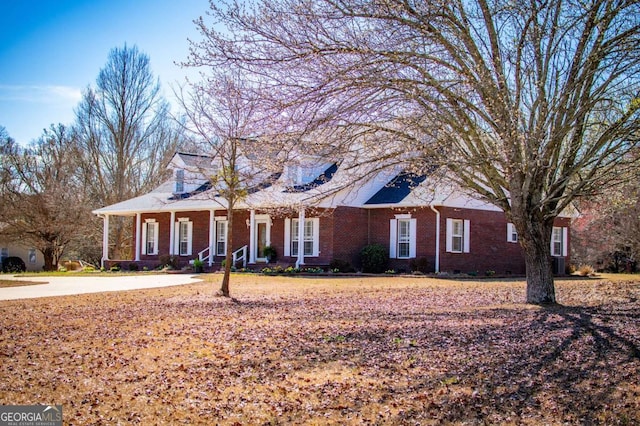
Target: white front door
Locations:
point(262, 237)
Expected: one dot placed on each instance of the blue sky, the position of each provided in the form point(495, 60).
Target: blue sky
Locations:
point(51, 50)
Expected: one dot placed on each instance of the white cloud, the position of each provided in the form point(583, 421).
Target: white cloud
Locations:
point(48, 94)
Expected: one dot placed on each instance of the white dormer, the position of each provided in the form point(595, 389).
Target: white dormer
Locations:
point(189, 171)
point(304, 171)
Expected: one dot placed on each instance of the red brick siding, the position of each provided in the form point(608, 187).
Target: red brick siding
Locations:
point(344, 231)
point(488, 246)
point(425, 238)
point(350, 234)
point(163, 220)
point(325, 217)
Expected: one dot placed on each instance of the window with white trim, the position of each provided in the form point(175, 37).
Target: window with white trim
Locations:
point(150, 237)
point(221, 237)
point(458, 235)
point(402, 237)
point(311, 237)
point(512, 234)
point(308, 236)
point(559, 241)
point(184, 236)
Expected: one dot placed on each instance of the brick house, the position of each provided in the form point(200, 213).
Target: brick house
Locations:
point(424, 224)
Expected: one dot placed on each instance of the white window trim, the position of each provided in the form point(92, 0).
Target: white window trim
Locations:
point(189, 236)
point(222, 220)
point(179, 187)
point(564, 233)
point(288, 223)
point(156, 227)
point(32, 259)
point(394, 243)
point(466, 235)
point(512, 234)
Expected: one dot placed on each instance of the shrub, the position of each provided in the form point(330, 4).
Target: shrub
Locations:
point(170, 262)
point(71, 265)
point(133, 267)
point(13, 264)
point(198, 265)
point(419, 265)
point(374, 258)
point(338, 265)
point(270, 253)
point(586, 270)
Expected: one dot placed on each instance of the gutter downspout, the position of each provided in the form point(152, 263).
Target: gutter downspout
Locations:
point(437, 261)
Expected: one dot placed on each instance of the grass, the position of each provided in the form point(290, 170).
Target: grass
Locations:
point(385, 350)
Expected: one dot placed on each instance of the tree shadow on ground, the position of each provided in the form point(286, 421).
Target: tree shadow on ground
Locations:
point(576, 364)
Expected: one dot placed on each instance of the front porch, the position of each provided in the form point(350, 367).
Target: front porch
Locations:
point(177, 238)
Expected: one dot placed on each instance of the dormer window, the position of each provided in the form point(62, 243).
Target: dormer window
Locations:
point(179, 181)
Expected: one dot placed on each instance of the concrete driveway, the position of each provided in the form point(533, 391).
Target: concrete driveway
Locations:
point(64, 286)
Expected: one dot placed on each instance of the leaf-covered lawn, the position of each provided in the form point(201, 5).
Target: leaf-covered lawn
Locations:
point(382, 350)
point(15, 283)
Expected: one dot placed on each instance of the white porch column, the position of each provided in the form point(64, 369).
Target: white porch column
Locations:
point(300, 260)
point(212, 235)
point(105, 239)
point(252, 236)
point(172, 232)
point(138, 236)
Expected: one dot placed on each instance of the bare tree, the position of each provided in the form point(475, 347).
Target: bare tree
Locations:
point(43, 198)
point(126, 132)
point(221, 115)
point(527, 105)
point(607, 234)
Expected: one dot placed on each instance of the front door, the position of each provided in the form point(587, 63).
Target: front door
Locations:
point(263, 238)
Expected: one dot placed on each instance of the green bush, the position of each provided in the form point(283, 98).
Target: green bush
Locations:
point(133, 267)
point(198, 265)
point(374, 258)
point(270, 253)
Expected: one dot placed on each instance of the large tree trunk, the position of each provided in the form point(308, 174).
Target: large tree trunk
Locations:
point(47, 255)
point(535, 243)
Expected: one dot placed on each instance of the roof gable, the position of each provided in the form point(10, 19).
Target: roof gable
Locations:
point(397, 189)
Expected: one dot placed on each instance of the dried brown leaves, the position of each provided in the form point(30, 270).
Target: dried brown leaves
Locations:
point(329, 351)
